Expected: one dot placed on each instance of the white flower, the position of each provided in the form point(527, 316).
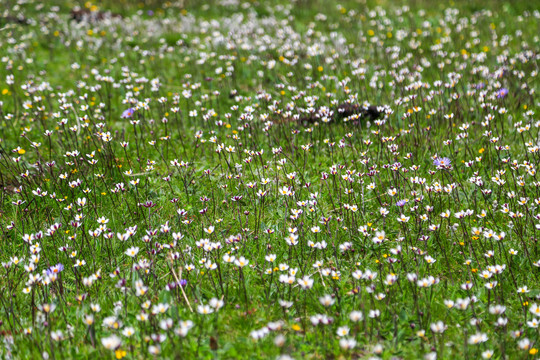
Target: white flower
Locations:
point(347, 343)
point(487, 354)
point(524, 344)
point(306, 282)
point(535, 309)
point(438, 327)
point(326, 300)
point(216, 303)
point(112, 342)
point(241, 262)
point(154, 349)
point(379, 237)
point(160, 308)
point(132, 251)
point(356, 316)
point(478, 338)
point(343, 330)
point(205, 309)
point(128, 331)
point(166, 324)
point(403, 219)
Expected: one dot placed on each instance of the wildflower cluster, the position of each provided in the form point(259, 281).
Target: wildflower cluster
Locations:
point(279, 181)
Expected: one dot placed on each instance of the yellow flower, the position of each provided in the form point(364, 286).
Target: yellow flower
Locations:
point(120, 353)
point(21, 151)
point(296, 327)
point(533, 351)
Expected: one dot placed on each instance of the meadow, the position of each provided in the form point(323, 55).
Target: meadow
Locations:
point(231, 179)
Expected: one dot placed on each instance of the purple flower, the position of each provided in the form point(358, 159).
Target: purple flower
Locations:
point(147, 204)
point(171, 286)
point(442, 162)
point(56, 269)
point(183, 283)
point(502, 93)
point(128, 113)
point(401, 203)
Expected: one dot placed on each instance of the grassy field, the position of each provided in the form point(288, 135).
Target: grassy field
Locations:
point(269, 179)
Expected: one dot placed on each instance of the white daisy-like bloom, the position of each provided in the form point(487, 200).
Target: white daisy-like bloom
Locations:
point(132, 251)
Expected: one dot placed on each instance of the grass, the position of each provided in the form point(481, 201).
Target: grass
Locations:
point(269, 180)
